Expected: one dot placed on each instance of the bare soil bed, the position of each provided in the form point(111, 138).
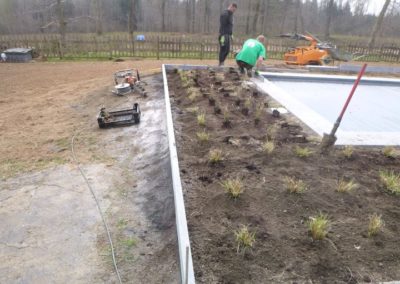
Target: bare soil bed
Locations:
point(283, 251)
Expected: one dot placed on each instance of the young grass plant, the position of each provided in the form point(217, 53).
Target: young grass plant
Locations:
point(348, 151)
point(346, 186)
point(193, 110)
point(193, 94)
point(234, 187)
point(391, 181)
point(375, 224)
point(257, 115)
point(318, 226)
point(295, 185)
point(201, 119)
point(302, 152)
point(246, 107)
point(244, 239)
point(203, 136)
point(227, 119)
point(389, 152)
point(268, 147)
point(215, 156)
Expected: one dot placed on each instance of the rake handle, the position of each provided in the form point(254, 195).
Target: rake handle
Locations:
point(360, 74)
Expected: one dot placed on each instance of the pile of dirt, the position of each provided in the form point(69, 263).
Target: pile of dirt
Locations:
point(284, 251)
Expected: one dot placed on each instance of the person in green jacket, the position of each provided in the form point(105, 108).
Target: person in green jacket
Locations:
point(252, 54)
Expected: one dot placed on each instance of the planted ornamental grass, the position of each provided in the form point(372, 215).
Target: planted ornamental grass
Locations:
point(244, 239)
point(318, 226)
point(233, 187)
point(391, 181)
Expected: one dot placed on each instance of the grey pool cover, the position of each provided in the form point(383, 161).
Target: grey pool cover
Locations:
point(372, 118)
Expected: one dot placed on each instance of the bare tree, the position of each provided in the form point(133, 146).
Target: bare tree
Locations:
point(206, 17)
point(163, 8)
point(256, 15)
point(378, 24)
point(329, 12)
point(62, 26)
point(187, 19)
point(249, 12)
point(98, 16)
point(286, 5)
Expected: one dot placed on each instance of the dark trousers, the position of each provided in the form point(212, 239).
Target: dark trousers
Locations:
point(243, 65)
point(224, 48)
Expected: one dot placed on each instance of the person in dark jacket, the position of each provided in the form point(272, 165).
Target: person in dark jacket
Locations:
point(225, 32)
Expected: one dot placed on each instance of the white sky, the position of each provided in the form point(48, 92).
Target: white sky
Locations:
point(375, 6)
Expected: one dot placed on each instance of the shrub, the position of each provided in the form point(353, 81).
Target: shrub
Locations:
point(244, 239)
point(233, 187)
point(295, 185)
point(346, 186)
point(268, 147)
point(215, 156)
point(193, 94)
point(201, 119)
point(391, 181)
point(193, 110)
point(348, 151)
point(203, 136)
point(389, 152)
point(302, 152)
point(227, 120)
point(375, 224)
point(318, 226)
point(257, 116)
point(246, 107)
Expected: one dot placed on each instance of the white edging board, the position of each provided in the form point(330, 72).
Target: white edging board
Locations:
point(185, 261)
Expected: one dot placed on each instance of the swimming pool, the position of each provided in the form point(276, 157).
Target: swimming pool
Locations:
point(372, 118)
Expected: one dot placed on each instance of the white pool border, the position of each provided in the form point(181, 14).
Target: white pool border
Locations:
point(318, 123)
point(185, 254)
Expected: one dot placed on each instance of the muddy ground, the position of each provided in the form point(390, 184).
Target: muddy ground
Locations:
point(284, 251)
point(51, 229)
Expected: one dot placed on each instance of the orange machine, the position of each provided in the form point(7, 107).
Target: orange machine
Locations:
point(317, 53)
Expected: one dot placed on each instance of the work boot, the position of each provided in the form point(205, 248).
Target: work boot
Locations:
point(221, 64)
point(241, 70)
point(249, 73)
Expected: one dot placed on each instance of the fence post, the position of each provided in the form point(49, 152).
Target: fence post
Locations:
point(201, 51)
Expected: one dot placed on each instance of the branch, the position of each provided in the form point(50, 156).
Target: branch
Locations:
point(49, 25)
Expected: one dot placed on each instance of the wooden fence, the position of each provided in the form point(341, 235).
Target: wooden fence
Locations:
point(163, 46)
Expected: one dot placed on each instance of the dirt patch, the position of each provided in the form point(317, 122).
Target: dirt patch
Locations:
point(283, 250)
point(52, 231)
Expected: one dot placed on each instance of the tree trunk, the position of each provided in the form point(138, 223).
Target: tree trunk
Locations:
point(62, 26)
point(163, 8)
point(206, 17)
point(193, 15)
point(248, 18)
point(256, 16)
point(264, 16)
point(329, 11)
point(187, 18)
point(99, 14)
point(296, 19)
point(378, 24)
point(285, 10)
point(132, 25)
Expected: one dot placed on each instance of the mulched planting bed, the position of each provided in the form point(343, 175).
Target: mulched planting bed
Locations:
point(238, 124)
